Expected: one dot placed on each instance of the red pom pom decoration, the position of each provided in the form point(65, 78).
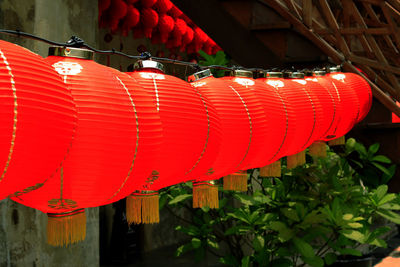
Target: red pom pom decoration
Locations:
point(175, 12)
point(165, 26)
point(131, 20)
point(163, 6)
point(147, 3)
point(149, 20)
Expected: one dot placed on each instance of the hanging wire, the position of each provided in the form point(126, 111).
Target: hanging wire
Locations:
point(77, 42)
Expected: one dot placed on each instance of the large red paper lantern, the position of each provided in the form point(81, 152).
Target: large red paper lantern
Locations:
point(235, 127)
point(116, 138)
point(242, 84)
point(191, 127)
point(37, 118)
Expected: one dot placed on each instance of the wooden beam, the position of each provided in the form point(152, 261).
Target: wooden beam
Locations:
point(336, 56)
point(376, 49)
point(341, 43)
point(318, 41)
point(395, 30)
point(236, 39)
point(374, 64)
point(307, 12)
point(376, 91)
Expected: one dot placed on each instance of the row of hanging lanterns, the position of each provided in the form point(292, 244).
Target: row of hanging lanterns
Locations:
point(159, 20)
point(78, 134)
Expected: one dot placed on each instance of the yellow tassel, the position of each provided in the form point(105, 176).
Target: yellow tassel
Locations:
point(205, 194)
point(318, 149)
point(337, 142)
point(236, 181)
point(271, 170)
point(143, 207)
point(296, 160)
point(66, 228)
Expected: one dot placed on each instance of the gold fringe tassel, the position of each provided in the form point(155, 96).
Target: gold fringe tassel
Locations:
point(272, 170)
point(205, 194)
point(236, 181)
point(337, 142)
point(143, 207)
point(66, 228)
point(296, 160)
point(318, 149)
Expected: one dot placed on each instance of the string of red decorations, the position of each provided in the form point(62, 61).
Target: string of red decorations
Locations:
point(136, 134)
point(159, 20)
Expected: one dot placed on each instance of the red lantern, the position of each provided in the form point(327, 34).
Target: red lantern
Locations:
point(111, 17)
point(235, 124)
point(242, 84)
point(113, 146)
point(38, 118)
point(348, 102)
point(191, 127)
point(363, 91)
point(327, 110)
point(395, 118)
point(147, 3)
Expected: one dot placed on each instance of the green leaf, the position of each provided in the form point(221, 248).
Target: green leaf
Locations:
point(183, 249)
point(258, 243)
point(180, 198)
point(304, 248)
point(290, 213)
point(390, 215)
point(196, 242)
point(283, 262)
point(350, 143)
point(380, 192)
point(378, 242)
point(381, 158)
point(387, 198)
point(229, 260)
point(354, 235)
point(314, 261)
point(350, 251)
point(348, 216)
point(245, 261)
point(373, 149)
point(285, 233)
point(245, 199)
point(381, 168)
point(330, 258)
point(355, 225)
point(212, 244)
point(240, 230)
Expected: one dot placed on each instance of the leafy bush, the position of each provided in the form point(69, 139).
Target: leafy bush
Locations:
point(310, 215)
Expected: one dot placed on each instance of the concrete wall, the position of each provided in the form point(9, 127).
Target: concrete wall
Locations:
point(22, 229)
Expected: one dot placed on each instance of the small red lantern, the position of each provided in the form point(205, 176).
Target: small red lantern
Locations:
point(113, 134)
point(149, 20)
point(130, 20)
point(165, 26)
point(191, 130)
point(395, 118)
point(163, 6)
point(38, 118)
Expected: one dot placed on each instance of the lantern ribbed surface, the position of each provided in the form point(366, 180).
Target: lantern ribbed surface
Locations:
point(235, 126)
point(363, 92)
point(349, 105)
point(276, 114)
point(276, 110)
point(107, 143)
point(301, 114)
point(191, 129)
point(257, 142)
point(38, 118)
point(324, 106)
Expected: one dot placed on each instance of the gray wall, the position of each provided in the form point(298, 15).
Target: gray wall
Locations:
point(22, 229)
